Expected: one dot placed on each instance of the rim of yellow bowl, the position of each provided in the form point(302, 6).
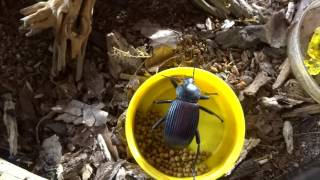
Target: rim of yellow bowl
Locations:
point(228, 164)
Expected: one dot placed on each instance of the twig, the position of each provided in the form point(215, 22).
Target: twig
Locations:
point(307, 133)
point(298, 112)
point(48, 116)
point(121, 53)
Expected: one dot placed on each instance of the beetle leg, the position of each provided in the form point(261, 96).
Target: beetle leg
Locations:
point(173, 82)
point(162, 101)
point(158, 123)
point(207, 95)
point(194, 172)
point(204, 97)
point(210, 112)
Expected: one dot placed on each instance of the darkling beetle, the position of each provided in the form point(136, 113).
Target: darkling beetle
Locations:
point(182, 118)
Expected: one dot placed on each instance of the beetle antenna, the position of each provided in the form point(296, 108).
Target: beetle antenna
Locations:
point(194, 68)
point(210, 94)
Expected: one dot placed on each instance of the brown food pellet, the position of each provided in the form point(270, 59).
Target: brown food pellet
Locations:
point(177, 158)
point(173, 162)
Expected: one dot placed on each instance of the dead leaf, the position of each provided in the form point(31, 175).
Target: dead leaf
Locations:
point(77, 112)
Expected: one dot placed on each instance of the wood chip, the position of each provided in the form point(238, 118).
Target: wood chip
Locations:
point(104, 148)
point(283, 75)
point(279, 102)
point(288, 136)
point(261, 79)
point(290, 11)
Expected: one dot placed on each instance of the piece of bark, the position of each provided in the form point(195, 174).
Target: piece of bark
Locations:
point(283, 75)
point(9, 119)
point(276, 30)
point(302, 111)
point(261, 79)
point(13, 172)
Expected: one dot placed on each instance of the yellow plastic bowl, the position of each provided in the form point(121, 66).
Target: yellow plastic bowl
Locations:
point(224, 140)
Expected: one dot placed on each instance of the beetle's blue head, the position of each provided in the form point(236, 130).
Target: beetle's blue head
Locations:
point(188, 91)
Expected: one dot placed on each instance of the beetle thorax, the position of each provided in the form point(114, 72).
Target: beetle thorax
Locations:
point(188, 91)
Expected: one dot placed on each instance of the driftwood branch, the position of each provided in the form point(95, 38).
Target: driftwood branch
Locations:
point(71, 24)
